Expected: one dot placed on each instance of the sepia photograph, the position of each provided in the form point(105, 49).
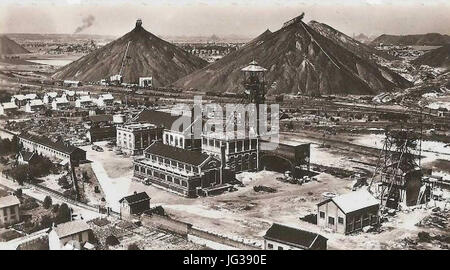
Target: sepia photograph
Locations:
point(201, 125)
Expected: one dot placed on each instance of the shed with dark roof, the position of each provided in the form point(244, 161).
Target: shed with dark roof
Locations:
point(282, 237)
point(134, 204)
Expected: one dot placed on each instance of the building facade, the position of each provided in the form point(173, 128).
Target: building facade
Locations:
point(349, 212)
point(8, 108)
point(241, 154)
point(134, 205)
point(134, 138)
point(60, 235)
point(46, 147)
point(34, 105)
point(179, 170)
point(9, 210)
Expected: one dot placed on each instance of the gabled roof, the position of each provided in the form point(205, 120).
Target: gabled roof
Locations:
point(8, 201)
point(36, 102)
point(135, 198)
point(71, 227)
point(51, 94)
point(182, 155)
point(61, 100)
point(353, 201)
point(9, 105)
point(292, 236)
point(30, 96)
point(106, 96)
point(59, 146)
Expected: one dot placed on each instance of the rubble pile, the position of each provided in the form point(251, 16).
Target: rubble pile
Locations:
point(438, 219)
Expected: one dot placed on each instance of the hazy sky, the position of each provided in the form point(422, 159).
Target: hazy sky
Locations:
point(207, 17)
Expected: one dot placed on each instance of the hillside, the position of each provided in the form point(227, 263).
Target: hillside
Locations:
point(298, 59)
point(147, 56)
point(430, 39)
point(439, 57)
point(8, 46)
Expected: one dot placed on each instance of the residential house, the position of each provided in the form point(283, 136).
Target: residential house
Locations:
point(49, 97)
point(84, 102)
point(105, 100)
point(349, 212)
point(9, 210)
point(134, 204)
point(59, 104)
point(63, 234)
point(8, 108)
point(34, 105)
point(282, 237)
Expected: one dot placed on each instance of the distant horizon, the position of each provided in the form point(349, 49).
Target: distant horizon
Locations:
point(222, 18)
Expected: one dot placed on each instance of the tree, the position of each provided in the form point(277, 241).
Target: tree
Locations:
point(55, 208)
point(18, 193)
point(47, 202)
point(64, 214)
point(46, 221)
point(20, 174)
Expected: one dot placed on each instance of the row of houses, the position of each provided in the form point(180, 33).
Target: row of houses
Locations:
point(31, 103)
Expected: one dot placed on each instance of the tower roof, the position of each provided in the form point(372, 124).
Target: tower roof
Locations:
point(254, 67)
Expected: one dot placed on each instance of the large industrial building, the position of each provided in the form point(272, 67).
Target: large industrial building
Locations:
point(134, 138)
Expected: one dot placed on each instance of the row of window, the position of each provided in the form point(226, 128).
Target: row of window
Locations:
point(161, 176)
point(331, 220)
point(234, 146)
point(173, 163)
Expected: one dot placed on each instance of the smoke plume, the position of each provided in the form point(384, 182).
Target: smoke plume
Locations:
point(87, 22)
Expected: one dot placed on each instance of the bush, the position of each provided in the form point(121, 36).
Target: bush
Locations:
point(47, 202)
point(42, 167)
point(20, 174)
point(55, 208)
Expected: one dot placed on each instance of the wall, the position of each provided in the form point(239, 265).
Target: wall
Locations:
point(196, 235)
point(166, 224)
point(12, 215)
point(331, 210)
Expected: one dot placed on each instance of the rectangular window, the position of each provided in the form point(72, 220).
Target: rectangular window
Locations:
point(322, 214)
point(331, 220)
point(246, 145)
point(269, 246)
point(340, 220)
point(280, 248)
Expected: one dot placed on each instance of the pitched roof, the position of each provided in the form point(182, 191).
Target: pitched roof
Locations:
point(186, 156)
point(353, 201)
point(70, 228)
point(8, 201)
point(59, 146)
point(106, 96)
point(9, 105)
point(159, 118)
point(36, 102)
point(51, 94)
point(290, 235)
point(61, 100)
point(137, 197)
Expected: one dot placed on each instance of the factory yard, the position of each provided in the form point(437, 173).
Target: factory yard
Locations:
point(248, 213)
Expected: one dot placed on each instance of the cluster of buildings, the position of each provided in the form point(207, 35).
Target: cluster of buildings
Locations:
point(32, 103)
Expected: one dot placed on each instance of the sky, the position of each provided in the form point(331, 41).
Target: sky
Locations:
point(246, 18)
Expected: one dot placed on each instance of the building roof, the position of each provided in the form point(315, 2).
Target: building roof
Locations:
point(106, 96)
point(159, 118)
point(254, 67)
point(182, 155)
point(36, 102)
point(30, 96)
point(101, 118)
point(19, 97)
point(136, 197)
point(70, 228)
point(353, 201)
point(84, 98)
point(9, 105)
point(51, 94)
point(101, 130)
point(61, 100)
point(59, 146)
point(8, 201)
point(292, 236)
